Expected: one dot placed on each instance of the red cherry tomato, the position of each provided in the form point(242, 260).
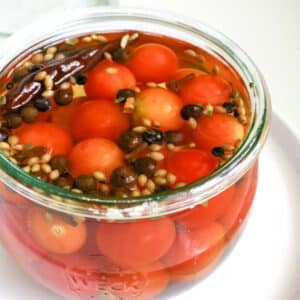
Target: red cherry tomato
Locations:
point(11, 196)
point(127, 283)
point(195, 250)
point(48, 135)
point(201, 215)
point(136, 244)
point(206, 89)
point(99, 119)
point(161, 106)
point(191, 164)
point(93, 155)
point(106, 79)
point(183, 72)
point(51, 232)
point(218, 130)
point(153, 62)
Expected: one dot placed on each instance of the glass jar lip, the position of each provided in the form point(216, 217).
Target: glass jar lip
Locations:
point(203, 189)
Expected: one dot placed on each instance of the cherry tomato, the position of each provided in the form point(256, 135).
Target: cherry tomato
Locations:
point(99, 119)
point(201, 215)
point(93, 155)
point(195, 249)
point(161, 106)
point(218, 130)
point(153, 62)
point(54, 234)
point(206, 89)
point(136, 244)
point(48, 135)
point(183, 72)
point(62, 116)
point(11, 196)
point(127, 283)
point(106, 79)
point(189, 165)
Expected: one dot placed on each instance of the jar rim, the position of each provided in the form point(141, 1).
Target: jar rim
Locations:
point(165, 202)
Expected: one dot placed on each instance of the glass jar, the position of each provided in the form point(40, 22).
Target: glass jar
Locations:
point(142, 247)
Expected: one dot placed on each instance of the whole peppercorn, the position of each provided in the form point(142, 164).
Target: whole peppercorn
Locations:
point(153, 136)
point(123, 177)
point(123, 94)
point(35, 68)
point(218, 151)
point(12, 120)
point(42, 104)
point(29, 114)
point(120, 55)
point(60, 163)
point(229, 106)
point(85, 183)
point(191, 111)
point(64, 182)
point(129, 140)
point(145, 165)
point(174, 137)
point(9, 85)
point(81, 79)
point(63, 97)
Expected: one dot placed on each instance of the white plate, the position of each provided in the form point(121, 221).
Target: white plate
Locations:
point(265, 264)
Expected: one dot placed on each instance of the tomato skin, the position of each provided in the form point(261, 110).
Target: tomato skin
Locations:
point(183, 72)
point(98, 118)
point(153, 62)
point(189, 165)
point(201, 215)
point(83, 160)
point(161, 106)
point(136, 244)
point(106, 79)
point(206, 89)
point(133, 283)
point(52, 233)
point(48, 135)
point(217, 130)
point(195, 249)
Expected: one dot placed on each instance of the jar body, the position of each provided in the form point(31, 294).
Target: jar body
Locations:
point(130, 260)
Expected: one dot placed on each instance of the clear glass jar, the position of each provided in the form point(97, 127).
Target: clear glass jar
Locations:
point(154, 245)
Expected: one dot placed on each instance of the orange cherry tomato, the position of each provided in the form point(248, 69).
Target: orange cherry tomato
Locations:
point(161, 106)
point(195, 250)
point(62, 116)
point(48, 135)
point(153, 62)
point(128, 283)
point(54, 234)
point(136, 244)
point(93, 155)
point(201, 215)
point(189, 165)
point(11, 196)
point(183, 72)
point(98, 118)
point(218, 130)
point(106, 79)
point(206, 89)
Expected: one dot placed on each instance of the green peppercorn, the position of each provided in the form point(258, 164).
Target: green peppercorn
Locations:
point(123, 177)
point(29, 114)
point(63, 97)
point(129, 140)
point(174, 137)
point(60, 163)
point(12, 120)
point(145, 165)
point(86, 183)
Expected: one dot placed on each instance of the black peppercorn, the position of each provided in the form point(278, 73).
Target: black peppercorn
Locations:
point(29, 114)
point(229, 106)
point(153, 136)
point(123, 94)
point(36, 68)
point(123, 177)
point(145, 165)
point(63, 97)
point(42, 104)
point(129, 141)
point(60, 163)
point(174, 137)
point(9, 85)
point(218, 151)
point(85, 183)
point(63, 182)
point(191, 111)
point(81, 79)
point(120, 55)
point(12, 120)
